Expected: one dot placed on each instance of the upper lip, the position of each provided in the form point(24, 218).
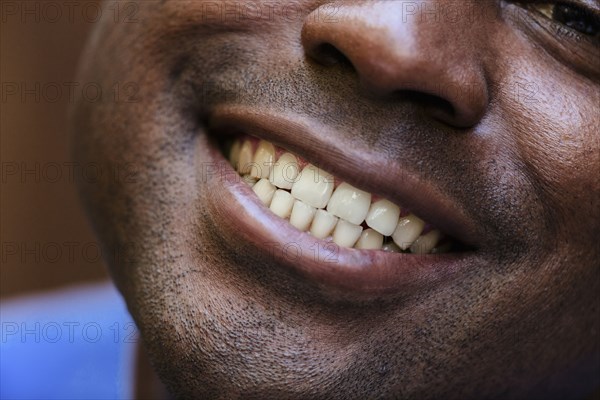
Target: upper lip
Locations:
point(316, 143)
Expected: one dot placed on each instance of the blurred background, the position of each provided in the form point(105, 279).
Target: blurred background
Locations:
point(46, 241)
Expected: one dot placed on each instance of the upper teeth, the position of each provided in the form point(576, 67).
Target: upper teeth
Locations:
point(349, 203)
point(263, 160)
point(310, 201)
point(314, 187)
point(285, 171)
point(383, 217)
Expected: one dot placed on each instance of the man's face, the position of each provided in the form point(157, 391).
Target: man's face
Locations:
point(481, 118)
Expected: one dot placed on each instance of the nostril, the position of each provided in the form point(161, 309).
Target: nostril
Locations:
point(328, 55)
point(436, 106)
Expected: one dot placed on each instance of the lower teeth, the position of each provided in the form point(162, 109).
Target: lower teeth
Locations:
point(345, 215)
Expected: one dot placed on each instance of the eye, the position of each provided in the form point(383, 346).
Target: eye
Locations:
point(579, 18)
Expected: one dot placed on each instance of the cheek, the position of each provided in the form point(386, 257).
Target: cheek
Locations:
point(560, 144)
point(554, 124)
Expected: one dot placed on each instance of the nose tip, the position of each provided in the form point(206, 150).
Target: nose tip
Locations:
point(392, 55)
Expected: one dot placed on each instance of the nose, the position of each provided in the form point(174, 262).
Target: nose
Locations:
point(401, 47)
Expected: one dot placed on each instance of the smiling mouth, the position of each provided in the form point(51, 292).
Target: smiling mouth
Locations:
point(314, 201)
point(317, 210)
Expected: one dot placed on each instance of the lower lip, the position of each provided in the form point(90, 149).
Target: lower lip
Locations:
point(239, 216)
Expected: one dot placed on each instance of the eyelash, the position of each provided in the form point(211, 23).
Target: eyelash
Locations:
point(549, 10)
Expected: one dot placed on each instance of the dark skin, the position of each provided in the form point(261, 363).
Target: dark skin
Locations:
point(498, 115)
